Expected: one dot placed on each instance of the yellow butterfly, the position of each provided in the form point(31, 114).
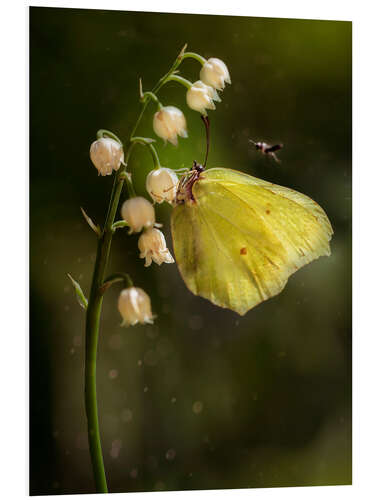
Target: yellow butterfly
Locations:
point(237, 239)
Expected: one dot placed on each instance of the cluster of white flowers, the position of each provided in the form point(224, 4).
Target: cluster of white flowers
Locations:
point(169, 121)
point(202, 94)
point(139, 213)
point(134, 304)
point(107, 156)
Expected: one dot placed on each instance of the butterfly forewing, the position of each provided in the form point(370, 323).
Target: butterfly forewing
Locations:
point(242, 239)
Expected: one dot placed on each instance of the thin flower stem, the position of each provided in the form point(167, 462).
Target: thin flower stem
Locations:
point(94, 306)
point(179, 79)
point(129, 185)
point(158, 86)
point(152, 96)
point(146, 142)
point(115, 278)
point(119, 225)
point(193, 55)
point(103, 133)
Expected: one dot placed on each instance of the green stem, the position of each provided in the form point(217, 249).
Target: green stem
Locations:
point(158, 86)
point(193, 55)
point(103, 133)
point(119, 225)
point(94, 307)
point(129, 185)
point(92, 334)
point(152, 96)
point(148, 142)
point(183, 81)
point(115, 278)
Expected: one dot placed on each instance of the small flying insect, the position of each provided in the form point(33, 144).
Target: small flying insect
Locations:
point(266, 149)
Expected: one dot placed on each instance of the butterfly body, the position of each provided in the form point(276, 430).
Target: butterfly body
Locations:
point(237, 238)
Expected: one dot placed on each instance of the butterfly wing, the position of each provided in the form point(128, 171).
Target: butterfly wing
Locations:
point(242, 239)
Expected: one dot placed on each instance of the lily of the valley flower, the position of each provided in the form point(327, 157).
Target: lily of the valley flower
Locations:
point(107, 155)
point(201, 97)
point(168, 123)
point(138, 213)
point(161, 184)
point(135, 307)
point(153, 247)
point(215, 73)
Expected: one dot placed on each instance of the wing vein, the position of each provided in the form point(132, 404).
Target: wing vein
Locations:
point(249, 272)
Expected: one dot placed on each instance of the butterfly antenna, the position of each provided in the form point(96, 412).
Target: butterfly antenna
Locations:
point(206, 122)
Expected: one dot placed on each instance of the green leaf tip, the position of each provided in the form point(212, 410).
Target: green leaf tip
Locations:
point(94, 227)
point(82, 301)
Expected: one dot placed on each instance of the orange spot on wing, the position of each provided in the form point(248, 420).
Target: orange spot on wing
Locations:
point(268, 211)
point(243, 251)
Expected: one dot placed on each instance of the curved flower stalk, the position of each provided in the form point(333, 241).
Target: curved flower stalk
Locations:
point(109, 155)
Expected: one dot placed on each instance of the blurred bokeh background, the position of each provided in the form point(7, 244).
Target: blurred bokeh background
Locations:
point(203, 398)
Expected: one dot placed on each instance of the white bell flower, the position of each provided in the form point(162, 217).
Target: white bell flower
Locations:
point(107, 155)
point(135, 307)
point(201, 97)
point(161, 185)
point(215, 73)
point(168, 123)
point(138, 213)
point(153, 247)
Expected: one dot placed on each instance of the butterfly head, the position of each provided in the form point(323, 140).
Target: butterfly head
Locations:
point(197, 167)
point(185, 187)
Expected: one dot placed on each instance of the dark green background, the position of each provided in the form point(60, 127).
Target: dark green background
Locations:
point(275, 385)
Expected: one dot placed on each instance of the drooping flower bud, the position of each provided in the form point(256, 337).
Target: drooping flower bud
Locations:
point(161, 184)
point(138, 213)
point(135, 307)
point(107, 155)
point(215, 73)
point(201, 97)
point(153, 247)
point(168, 123)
